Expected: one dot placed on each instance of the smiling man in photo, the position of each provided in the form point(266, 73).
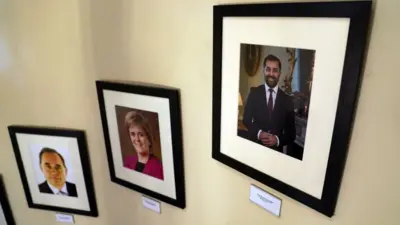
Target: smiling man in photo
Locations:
point(268, 113)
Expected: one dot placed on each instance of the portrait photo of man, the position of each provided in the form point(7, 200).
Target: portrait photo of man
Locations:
point(275, 83)
point(55, 170)
point(53, 167)
point(269, 114)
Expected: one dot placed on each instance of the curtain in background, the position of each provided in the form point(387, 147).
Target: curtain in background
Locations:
point(296, 82)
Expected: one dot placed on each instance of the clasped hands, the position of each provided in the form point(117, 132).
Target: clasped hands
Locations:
point(268, 139)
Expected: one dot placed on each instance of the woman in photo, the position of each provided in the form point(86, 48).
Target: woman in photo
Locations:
point(141, 138)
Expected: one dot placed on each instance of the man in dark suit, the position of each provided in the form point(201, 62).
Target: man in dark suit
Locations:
point(268, 113)
point(54, 170)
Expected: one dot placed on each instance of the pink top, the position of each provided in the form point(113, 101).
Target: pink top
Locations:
point(152, 168)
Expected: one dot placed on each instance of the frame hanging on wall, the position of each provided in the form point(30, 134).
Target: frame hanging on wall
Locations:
point(55, 170)
point(6, 215)
point(288, 125)
point(143, 137)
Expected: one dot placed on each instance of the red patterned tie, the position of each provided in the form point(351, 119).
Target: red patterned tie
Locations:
point(270, 103)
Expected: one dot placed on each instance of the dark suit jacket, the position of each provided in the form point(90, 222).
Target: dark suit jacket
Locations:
point(282, 123)
point(71, 188)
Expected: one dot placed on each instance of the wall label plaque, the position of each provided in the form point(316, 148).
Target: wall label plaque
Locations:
point(266, 200)
point(151, 204)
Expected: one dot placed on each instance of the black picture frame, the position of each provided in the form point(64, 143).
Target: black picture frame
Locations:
point(152, 90)
point(79, 135)
point(4, 203)
point(359, 14)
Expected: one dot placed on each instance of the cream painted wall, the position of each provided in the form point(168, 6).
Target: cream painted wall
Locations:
point(56, 49)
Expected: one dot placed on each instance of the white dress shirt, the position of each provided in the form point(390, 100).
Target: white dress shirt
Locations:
point(274, 92)
point(55, 190)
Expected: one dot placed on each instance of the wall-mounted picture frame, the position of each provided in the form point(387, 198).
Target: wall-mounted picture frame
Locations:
point(143, 138)
point(6, 215)
point(288, 125)
point(55, 169)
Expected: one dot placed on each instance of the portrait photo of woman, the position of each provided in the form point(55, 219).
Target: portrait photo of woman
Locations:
point(143, 138)
point(140, 142)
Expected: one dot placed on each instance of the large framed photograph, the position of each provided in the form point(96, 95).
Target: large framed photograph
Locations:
point(143, 137)
point(54, 168)
point(6, 216)
point(285, 82)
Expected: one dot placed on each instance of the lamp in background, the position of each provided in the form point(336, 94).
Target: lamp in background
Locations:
point(240, 103)
point(240, 119)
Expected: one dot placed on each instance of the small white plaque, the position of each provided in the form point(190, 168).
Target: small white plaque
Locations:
point(63, 218)
point(151, 204)
point(265, 200)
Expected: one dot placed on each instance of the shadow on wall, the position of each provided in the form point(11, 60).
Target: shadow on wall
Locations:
point(105, 47)
point(105, 28)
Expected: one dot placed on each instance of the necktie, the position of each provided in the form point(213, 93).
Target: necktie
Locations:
point(62, 193)
point(270, 103)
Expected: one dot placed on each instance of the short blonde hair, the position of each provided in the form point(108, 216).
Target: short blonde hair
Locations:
point(137, 119)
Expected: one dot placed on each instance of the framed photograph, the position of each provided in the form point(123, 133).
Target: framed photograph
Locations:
point(6, 216)
point(285, 83)
point(143, 137)
point(55, 169)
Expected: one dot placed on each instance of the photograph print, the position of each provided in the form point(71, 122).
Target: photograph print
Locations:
point(285, 81)
point(140, 141)
point(54, 168)
point(143, 138)
point(274, 93)
point(6, 215)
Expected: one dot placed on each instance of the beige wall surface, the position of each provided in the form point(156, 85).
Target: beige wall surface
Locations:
point(52, 51)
